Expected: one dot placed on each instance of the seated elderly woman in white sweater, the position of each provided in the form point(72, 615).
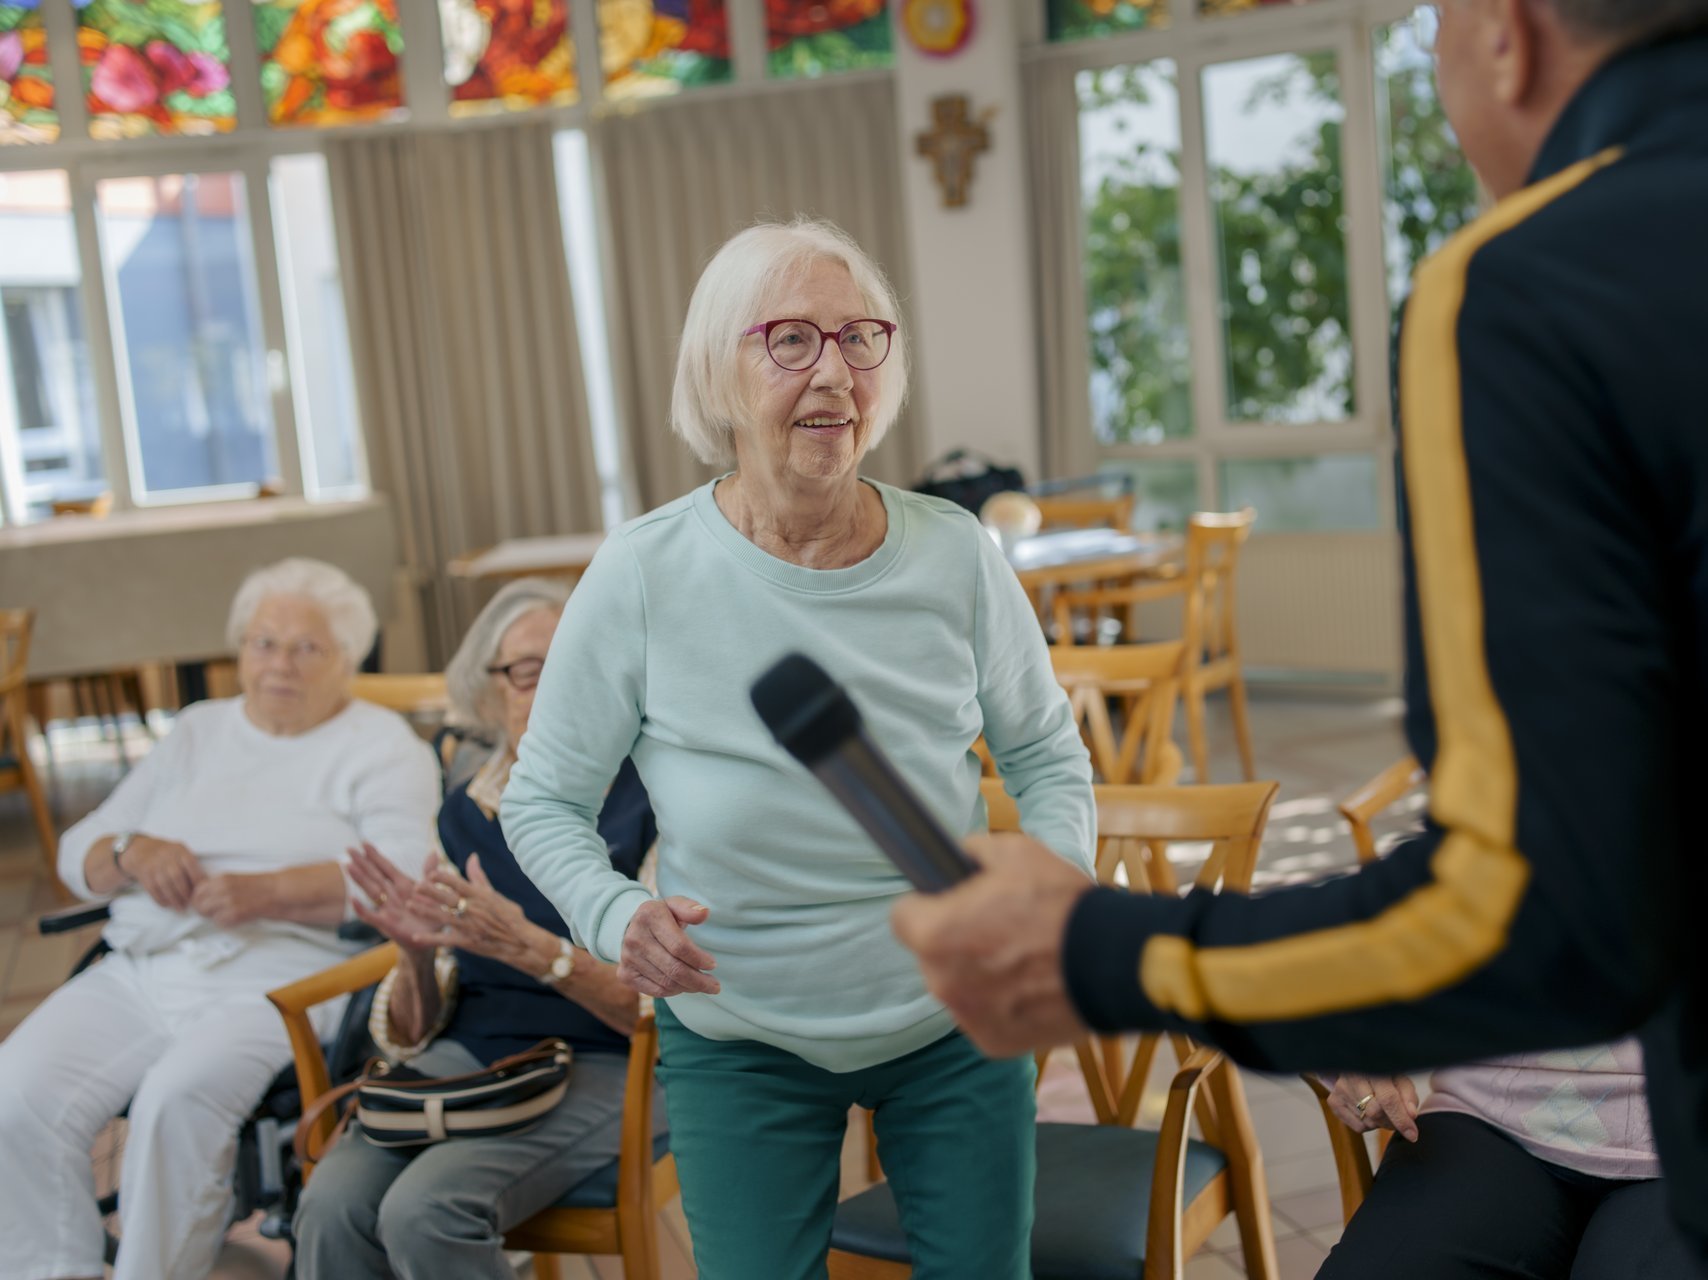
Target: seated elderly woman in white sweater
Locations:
point(223, 852)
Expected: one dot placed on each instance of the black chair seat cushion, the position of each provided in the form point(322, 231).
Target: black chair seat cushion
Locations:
point(1092, 1202)
point(599, 1190)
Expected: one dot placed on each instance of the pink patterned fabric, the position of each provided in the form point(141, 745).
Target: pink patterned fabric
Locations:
point(1582, 1109)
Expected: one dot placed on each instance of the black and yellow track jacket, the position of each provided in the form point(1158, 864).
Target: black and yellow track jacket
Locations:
point(1554, 448)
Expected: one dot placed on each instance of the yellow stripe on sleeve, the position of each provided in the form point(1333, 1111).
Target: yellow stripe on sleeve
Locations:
point(1441, 932)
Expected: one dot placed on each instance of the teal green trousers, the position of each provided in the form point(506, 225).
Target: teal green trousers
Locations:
point(757, 1134)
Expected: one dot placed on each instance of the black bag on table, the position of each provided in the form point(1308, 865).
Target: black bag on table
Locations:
point(968, 479)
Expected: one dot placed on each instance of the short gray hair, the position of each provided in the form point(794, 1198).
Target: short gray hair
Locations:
point(1627, 21)
point(349, 612)
point(468, 687)
point(752, 267)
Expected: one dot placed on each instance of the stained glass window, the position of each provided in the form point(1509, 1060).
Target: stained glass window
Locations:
point(1077, 19)
point(1218, 7)
point(659, 46)
point(820, 37)
point(26, 83)
point(507, 54)
point(328, 62)
point(155, 66)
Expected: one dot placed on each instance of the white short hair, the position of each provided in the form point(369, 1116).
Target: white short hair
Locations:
point(753, 267)
point(468, 687)
point(349, 612)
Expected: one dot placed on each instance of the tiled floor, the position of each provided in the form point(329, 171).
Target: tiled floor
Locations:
point(1318, 749)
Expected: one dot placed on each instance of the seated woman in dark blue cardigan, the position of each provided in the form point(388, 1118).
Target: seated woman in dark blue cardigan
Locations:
point(487, 970)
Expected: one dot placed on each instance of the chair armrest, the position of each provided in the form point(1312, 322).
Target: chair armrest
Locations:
point(294, 1002)
point(1162, 1234)
point(69, 918)
point(1351, 1157)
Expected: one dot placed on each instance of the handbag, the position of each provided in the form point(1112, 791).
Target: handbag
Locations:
point(968, 479)
point(397, 1106)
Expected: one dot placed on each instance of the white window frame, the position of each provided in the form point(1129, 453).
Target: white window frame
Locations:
point(1193, 43)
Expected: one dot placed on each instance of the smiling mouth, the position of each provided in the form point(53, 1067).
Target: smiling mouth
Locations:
point(824, 423)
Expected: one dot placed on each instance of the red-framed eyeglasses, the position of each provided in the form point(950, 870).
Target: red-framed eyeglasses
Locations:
point(795, 345)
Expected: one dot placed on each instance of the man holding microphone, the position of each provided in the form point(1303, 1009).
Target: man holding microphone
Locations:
point(1554, 434)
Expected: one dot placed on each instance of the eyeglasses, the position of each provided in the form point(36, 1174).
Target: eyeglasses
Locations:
point(523, 674)
point(795, 344)
point(301, 653)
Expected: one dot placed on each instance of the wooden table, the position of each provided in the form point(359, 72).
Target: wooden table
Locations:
point(558, 556)
point(1090, 555)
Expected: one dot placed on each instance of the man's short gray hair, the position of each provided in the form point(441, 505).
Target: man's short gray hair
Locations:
point(472, 693)
point(753, 267)
point(1628, 21)
point(349, 612)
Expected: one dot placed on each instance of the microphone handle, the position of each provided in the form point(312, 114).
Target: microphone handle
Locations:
point(874, 794)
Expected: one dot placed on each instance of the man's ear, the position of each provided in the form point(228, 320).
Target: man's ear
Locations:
point(1510, 29)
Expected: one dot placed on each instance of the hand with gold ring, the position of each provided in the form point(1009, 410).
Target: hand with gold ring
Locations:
point(1364, 1103)
point(390, 899)
point(473, 916)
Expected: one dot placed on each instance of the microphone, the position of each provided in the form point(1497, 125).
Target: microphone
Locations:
point(814, 720)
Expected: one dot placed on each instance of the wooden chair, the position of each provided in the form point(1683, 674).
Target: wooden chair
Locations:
point(17, 771)
point(409, 695)
point(1352, 1164)
point(1086, 513)
point(1113, 1199)
point(614, 1212)
point(1211, 631)
point(1145, 679)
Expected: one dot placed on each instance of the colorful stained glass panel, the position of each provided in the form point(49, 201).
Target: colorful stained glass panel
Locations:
point(821, 37)
point(1079, 19)
point(1215, 8)
point(507, 54)
point(651, 47)
point(329, 62)
point(26, 81)
point(155, 67)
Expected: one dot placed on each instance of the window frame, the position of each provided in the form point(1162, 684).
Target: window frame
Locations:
point(1194, 43)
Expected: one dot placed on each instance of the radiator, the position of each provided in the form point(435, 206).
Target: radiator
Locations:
point(1321, 603)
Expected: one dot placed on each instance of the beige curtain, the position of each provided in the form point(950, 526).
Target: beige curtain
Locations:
point(681, 179)
point(463, 333)
point(1052, 125)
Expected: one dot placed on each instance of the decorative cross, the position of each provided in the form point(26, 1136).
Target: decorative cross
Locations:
point(950, 144)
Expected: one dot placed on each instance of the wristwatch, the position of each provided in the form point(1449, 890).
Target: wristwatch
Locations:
point(120, 844)
point(563, 964)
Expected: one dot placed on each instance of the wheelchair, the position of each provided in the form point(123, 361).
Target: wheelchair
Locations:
point(266, 1177)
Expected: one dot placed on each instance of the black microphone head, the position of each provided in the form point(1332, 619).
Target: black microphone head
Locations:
point(807, 712)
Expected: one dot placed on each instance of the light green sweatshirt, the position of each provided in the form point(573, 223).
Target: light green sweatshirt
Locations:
point(677, 616)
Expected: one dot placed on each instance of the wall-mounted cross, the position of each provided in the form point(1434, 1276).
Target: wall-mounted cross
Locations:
point(950, 144)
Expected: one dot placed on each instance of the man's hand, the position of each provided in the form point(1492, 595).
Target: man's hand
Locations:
point(166, 870)
point(991, 949)
point(231, 900)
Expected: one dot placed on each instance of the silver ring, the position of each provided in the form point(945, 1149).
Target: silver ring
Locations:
point(1362, 1103)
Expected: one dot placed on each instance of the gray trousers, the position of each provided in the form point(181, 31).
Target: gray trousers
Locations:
point(423, 1213)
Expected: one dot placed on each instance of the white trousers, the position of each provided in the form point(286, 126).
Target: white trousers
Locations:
point(191, 1049)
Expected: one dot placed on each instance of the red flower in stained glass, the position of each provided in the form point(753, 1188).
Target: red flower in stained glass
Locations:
point(786, 20)
point(125, 80)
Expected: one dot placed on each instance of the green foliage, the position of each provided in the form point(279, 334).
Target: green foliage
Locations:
point(1280, 248)
point(863, 46)
point(270, 23)
point(686, 69)
point(12, 17)
point(193, 28)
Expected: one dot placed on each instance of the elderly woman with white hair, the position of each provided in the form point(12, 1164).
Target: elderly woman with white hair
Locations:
point(792, 1001)
point(223, 852)
point(487, 970)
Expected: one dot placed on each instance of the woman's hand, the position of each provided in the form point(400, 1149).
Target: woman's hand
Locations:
point(393, 897)
point(167, 871)
point(231, 900)
point(475, 917)
point(658, 959)
point(1388, 1103)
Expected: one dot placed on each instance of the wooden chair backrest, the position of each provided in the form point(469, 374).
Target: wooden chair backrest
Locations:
point(1146, 677)
point(409, 695)
point(1381, 792)
point(1087, 513)
point(1213, 542)
point(101, 504)
point(15, 625)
